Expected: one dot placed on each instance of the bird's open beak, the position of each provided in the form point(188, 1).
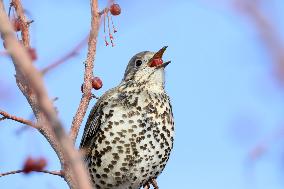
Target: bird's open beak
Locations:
point(160, 53)
point(165, 64)
point(156, 60)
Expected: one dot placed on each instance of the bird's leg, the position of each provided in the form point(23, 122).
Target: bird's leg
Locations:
point(154, 183)
point(147, 185)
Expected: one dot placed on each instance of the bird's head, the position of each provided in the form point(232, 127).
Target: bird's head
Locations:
point(147, 68)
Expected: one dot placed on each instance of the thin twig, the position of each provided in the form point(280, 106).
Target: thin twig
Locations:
point(89, 65)
point(109, 2)
point(6, 115)
point(66, 57)
point(102, 12)
point(57, 173)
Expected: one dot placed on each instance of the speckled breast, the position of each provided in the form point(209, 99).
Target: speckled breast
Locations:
point(134, 141)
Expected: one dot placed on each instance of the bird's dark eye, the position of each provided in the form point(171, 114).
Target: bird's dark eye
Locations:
point(138, 62)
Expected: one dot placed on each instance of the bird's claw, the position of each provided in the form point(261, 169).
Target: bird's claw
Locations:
point(153, 182)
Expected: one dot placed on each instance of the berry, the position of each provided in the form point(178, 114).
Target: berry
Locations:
point(32, 53)
point(34, 164)
point(97, 83)
point(28, 165)
point(40, 164)
point(115, 9)
point(156, 62)
point(17, 24)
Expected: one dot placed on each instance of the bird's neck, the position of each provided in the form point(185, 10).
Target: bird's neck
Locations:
point(150, 86)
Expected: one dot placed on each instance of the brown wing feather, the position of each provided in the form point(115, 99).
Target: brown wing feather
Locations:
point(94, 122)
point(91, 126)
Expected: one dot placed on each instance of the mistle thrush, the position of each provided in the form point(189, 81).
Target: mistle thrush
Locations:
point(129, 133)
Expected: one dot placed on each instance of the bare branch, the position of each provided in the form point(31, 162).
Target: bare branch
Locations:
point(57, 173)
point(74, 170)
point(267, 32)
point(6, 115)
point(89, 65)
point(66, 57)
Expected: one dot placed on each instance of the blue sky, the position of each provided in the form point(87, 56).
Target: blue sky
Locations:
point(225, 98)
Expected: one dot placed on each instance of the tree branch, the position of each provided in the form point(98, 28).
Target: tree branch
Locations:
point(57, 173)
point(74, 170)
point(89, 65)
point(24, 22)
point(6, 115)
point(69, 55)
point(267, 32)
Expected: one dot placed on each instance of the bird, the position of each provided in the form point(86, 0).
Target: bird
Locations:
point(129, 133)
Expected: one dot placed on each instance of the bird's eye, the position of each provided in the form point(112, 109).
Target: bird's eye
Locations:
point(138, 62)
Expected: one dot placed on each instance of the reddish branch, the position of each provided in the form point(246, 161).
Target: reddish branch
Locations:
point(274, 45)
point(89, 65)
point(58, 173)
point(66, 57)
point(267, 31)
point(15, 118)
point(24, 22)
point(31, 84)
point(29, 81)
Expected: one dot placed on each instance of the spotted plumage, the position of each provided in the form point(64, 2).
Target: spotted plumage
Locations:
point(129, 133)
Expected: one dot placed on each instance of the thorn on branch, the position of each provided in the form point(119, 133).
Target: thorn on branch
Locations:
point(29, 22)
point(55, 99)
point(94, 96)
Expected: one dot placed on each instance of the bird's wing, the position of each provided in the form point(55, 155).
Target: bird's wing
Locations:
point(94, 122)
